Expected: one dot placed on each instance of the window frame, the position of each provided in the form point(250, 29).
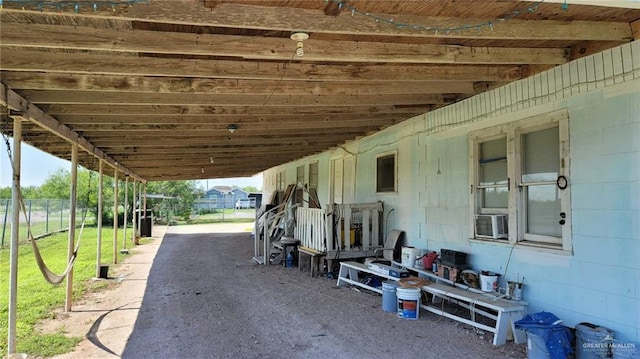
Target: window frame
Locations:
point(394, 155)
point(475, 161)
point(513, 132)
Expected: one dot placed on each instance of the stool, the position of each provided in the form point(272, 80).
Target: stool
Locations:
point(286, 242)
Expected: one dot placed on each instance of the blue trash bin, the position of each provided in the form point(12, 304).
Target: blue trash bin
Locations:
point(389, 298)
point(546, 336)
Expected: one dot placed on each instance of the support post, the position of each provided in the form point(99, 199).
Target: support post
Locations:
point(135, 220)
point(72, 225)
point(15, 223)
point(115, 215)
point(100, 200)
point(125, 214)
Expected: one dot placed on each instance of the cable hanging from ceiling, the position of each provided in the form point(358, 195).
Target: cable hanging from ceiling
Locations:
point(440, 29)
point(95, 5)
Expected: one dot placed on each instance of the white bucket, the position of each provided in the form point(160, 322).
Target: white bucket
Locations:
point(488, 281)
point(408, 302)
point(409, 255)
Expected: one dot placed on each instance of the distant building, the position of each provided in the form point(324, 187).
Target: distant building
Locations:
point(218, 197)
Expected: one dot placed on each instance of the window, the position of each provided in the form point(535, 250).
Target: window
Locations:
point(514, 172)
point(492, 174)
point(386, 173)
point(314, 202)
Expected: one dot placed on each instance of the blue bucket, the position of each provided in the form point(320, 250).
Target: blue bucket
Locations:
point(389, 299)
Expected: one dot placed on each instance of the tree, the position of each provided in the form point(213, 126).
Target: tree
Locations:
point(250, 189)
point(184, 192)
point(30, 192)
point(58, 186)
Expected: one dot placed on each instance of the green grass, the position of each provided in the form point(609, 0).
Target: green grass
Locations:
point(38, 228)
point(37, 299)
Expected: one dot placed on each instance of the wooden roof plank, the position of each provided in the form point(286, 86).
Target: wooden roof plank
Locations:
point(265, 48)
point(282, 18)
point(42, 61)
point(120, 83)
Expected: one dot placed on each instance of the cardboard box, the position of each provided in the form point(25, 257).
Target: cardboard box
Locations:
point(388, 270)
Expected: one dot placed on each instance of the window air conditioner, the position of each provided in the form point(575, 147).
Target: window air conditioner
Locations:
point(492, 226)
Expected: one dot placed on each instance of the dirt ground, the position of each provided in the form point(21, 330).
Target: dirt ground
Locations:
point(196, 293)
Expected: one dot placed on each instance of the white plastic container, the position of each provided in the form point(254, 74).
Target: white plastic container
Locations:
point(488, 281)
point(409, 255)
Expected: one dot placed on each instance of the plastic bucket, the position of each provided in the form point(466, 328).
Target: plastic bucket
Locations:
point(488, 281)
point(408, 302)
point(389, 298)
point(593, 342)
point(409, 255)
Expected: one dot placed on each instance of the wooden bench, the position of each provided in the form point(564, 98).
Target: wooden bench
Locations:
point(314, 259)
point(349, 275)
point(507, 312)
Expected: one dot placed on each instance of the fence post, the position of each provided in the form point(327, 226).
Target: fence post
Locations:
point(29, 215)
point(61, 210)
point(46, 221)
point(4, 222)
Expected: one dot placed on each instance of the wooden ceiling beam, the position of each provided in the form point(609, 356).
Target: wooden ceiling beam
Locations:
point(284, 19)
point(265, 48)
point(277, 99)
point(119, 83)
point(188, 141)
point(95, 63)
point(262, 127)
point(163, 113)
point(120, 123)
point(314, 21)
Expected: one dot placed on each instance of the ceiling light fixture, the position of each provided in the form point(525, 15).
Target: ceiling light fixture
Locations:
point(299, 37)
point(232, 128)
point(201, 170)
point(211, 159)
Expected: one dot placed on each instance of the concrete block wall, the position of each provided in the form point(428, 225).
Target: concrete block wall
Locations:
point(600, 281)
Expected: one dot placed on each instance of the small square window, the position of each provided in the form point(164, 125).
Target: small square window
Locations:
point(386, 173)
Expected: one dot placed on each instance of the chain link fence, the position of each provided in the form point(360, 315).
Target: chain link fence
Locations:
point(46, 216)
point(221, 210)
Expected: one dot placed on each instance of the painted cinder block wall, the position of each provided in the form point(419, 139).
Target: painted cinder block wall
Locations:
point(600, 281)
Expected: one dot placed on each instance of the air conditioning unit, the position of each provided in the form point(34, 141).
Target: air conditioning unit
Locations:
point(492, 226)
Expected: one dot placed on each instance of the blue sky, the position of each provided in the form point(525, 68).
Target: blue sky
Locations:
point(37, 166)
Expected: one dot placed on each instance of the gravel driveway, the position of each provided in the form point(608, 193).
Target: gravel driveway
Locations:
point(206, 298)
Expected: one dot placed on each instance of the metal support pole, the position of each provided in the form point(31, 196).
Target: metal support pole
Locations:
point(15, 224)
point(115, 215)
point(72, 225)
point(100, 200)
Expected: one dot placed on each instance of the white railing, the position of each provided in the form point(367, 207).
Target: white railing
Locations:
point(367, 216)
point(310, 228)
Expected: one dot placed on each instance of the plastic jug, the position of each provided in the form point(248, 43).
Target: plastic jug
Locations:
point(428, 259)
point(289, 260)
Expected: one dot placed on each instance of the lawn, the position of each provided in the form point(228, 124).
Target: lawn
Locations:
point(37, 299)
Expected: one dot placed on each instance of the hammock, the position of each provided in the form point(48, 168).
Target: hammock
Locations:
point(48, 275)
